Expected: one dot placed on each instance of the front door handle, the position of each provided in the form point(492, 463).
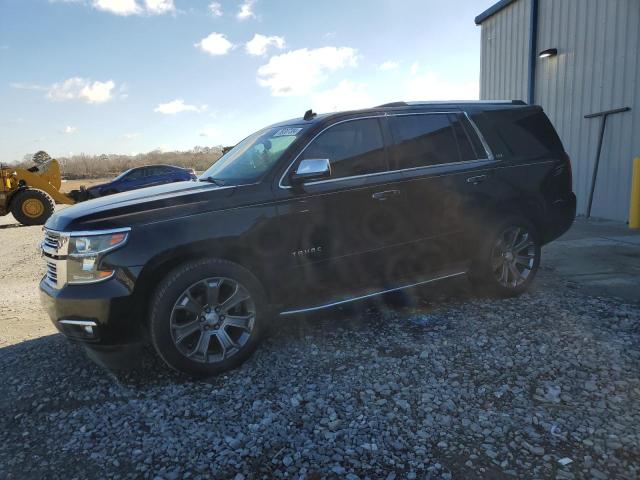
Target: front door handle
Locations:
point(477, 179)
point(385, 195)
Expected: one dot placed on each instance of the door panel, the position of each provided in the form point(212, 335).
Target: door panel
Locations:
point(437, 162)
point(341, 230)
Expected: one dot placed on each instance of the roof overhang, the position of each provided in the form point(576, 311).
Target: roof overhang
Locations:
point(492, 10)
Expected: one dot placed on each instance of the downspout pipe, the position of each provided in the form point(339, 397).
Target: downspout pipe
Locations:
point(533, 41)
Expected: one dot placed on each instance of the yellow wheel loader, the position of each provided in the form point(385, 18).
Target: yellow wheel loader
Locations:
point(31, 194)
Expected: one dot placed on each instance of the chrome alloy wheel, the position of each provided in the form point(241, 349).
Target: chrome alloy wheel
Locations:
point(212, 320)
point(513, 257)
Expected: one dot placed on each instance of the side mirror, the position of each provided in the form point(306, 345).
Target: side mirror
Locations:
point(311, 169)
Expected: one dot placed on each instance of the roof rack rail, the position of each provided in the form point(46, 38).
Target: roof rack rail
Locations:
point(439, 102)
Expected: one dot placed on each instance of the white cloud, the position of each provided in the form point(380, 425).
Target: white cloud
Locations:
point(70, 129)
point(388, 65)
point(347, 95)
point(177, 106)
point(127, 7)
point(259, 43)
point(415, 66)
point(429, 86)
point(214, 44)
point(83, 89)
point(159, 7)
point(298, 72)
point(118, 7)
point(131, 136)
point(246, 10)
point(215, 9)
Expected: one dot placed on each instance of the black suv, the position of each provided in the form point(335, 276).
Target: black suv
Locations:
point(308, 214)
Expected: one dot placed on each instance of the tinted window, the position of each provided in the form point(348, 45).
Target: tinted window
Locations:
point(159, 171)
point(526, 132)
point(353, 148)
point(471, 147)
point(421, 140)
point(138, 173)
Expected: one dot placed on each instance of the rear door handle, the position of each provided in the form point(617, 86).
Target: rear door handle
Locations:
point(477, 179)
point(386, 194)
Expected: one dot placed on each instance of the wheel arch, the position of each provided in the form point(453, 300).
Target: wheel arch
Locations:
point(161, 264)
point(529, 208)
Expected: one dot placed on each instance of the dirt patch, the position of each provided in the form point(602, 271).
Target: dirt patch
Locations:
point(21, 316)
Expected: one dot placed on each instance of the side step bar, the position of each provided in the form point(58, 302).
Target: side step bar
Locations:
point(373, 294)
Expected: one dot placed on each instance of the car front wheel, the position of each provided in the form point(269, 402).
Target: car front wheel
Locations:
point(509, 258)
point(207, 317)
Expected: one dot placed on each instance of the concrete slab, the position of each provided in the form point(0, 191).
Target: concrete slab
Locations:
point(602, 256)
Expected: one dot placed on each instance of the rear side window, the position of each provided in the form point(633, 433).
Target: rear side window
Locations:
point(422, 140)
point(353, 148)
point(158, 171)
point(138, 173)
point(526, 132)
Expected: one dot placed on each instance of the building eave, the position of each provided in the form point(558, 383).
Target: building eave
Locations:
point(492, 10)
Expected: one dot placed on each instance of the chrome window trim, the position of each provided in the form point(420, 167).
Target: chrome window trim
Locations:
point(487, 149)
point(489, 157)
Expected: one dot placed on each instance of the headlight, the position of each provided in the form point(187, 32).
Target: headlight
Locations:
point(86, 251)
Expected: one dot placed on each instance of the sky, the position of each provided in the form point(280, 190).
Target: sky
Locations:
point(130, 76)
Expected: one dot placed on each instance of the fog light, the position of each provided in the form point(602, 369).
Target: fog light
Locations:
point(81, 329)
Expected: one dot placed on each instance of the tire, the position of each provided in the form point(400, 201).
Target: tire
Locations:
point(32, 206)
point(494, 269)
point(190, 325)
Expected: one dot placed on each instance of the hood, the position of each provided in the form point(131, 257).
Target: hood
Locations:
point(144, 205)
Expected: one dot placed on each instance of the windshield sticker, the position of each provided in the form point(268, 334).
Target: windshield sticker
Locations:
point(286, 132)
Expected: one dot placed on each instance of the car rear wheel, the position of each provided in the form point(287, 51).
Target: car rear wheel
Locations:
point(207, 317)
point(509, 258)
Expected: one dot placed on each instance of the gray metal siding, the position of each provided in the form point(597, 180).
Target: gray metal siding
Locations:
point(597, 68)
point(504, 53)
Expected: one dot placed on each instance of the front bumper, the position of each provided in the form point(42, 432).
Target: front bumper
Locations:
point(108, 307)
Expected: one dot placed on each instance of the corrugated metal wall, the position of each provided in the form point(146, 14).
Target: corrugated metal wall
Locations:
point(597, 68)
point(504, 53)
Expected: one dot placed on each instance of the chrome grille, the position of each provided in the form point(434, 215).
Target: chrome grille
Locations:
point(54, 251)
point(51, 243)
point(51, 275)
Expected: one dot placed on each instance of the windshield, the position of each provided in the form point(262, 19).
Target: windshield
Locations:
point(248, 161)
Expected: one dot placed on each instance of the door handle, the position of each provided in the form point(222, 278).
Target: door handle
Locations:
point(386, 194)
point(477, 179)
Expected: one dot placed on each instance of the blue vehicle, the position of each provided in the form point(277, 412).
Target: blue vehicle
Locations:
point(142, 177)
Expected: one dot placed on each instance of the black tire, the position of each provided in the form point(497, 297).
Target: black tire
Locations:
point(484, 274)
point(164, 310)
point(32, 206)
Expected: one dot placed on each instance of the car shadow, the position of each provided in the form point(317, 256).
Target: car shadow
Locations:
point(11, 225)
point(53, 360)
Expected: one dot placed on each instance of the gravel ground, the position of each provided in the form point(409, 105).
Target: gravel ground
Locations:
point(541, 386)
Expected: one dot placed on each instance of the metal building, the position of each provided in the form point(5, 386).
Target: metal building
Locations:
point(574, 58)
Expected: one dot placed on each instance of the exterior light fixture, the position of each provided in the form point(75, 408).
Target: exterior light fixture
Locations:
point(550, 52)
